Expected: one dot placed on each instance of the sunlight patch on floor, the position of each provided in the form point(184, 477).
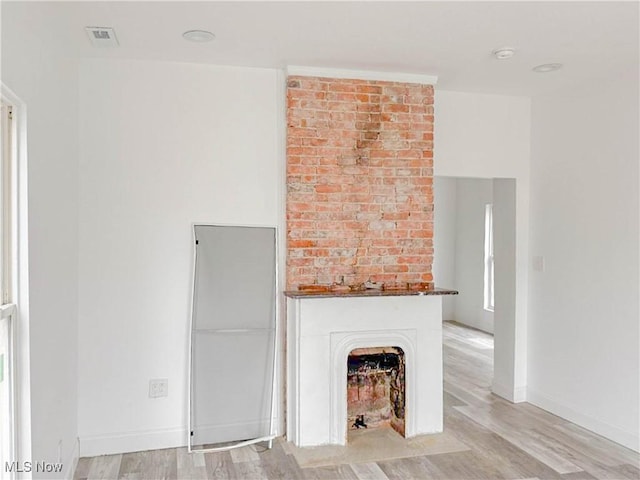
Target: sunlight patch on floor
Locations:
point(481, 342)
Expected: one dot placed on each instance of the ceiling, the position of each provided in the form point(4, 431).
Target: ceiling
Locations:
point(452, 40)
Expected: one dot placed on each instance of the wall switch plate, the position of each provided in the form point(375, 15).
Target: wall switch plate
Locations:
point(158, 387)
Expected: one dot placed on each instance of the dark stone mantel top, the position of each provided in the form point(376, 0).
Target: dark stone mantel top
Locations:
point(368, 293)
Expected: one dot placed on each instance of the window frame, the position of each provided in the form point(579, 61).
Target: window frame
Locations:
point(489, 259)
point(6, 202)
point(8, 310)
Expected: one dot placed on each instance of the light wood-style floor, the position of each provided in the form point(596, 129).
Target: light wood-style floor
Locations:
point(505, 441)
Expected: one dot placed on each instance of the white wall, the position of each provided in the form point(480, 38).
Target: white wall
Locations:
point(444, 240)
point(583, 328)
point(38, 72)
point(488, 136)
point(162, 145)
point(505, 273)
point(472, 196)
point(481, 135)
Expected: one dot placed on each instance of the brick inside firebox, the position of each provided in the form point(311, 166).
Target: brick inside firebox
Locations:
point(376, 388)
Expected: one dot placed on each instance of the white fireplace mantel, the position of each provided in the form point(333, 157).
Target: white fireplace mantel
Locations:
point(321, 332)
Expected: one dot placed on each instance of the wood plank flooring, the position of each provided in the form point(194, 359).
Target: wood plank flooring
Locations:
point(505, 441)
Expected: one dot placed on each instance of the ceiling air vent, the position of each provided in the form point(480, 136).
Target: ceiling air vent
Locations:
point(102, 36)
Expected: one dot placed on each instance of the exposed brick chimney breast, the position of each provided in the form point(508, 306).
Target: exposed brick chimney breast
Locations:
point(359, 181)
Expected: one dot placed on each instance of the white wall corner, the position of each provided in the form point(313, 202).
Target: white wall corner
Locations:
point(513, 394)
point(520, 394)
point(326, 72)
point(70, 465)
point(281, 155)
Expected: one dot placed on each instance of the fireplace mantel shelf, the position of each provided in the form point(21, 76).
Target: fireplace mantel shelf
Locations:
point(368, 293)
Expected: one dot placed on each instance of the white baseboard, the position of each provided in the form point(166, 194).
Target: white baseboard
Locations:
point(126, 442)
point(138, 441)
point(514, 395)
point(72, 462)
point(483, 325)
point(626, 438)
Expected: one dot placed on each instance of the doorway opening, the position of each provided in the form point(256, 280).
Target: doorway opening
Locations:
point(474, 253)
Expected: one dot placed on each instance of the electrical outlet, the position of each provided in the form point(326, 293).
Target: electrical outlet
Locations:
point(158, 387)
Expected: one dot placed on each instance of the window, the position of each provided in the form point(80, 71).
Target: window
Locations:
point(7, 308)
point(488, 258)
point(6, 257)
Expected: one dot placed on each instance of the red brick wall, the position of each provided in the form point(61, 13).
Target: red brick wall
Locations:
point(359, 181)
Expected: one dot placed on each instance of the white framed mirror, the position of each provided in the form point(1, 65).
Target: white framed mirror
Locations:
point(233, 337)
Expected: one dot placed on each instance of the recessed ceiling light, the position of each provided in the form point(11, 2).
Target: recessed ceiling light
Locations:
point(547, 67)
point(199, 36)
point(504, 53)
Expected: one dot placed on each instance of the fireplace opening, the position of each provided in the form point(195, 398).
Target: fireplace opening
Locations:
point(376, 389)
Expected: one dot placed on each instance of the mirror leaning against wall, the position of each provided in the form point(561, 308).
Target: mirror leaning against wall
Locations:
point(233, 337)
